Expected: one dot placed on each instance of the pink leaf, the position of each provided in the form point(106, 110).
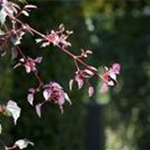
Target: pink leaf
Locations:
point(38, 109)
point(89, 52)
point(116, 68)
point(14, 53)
point(89, 73)
point(47, 93)
point(104, 88)
point(30, 6)
point(91, 91)
point(38, 59)
point(30, 98)
point(113, 76)
point(28, 68)
point(79, 82)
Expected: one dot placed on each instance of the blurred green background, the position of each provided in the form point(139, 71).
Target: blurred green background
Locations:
point(116, 31)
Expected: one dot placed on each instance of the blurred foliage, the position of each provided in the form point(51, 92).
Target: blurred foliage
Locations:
point(117, 31)
point(123, 35)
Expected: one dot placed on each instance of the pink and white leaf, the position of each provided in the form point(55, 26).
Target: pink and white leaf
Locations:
point(38, 60)
point(14, 109)
point(92, 68)
point(89, 52)
point(67, 98)
point(47, 93)
point(30, 6)
point(17, 65)
point(104, 88)
point(61, 99)
point(38, 109)
point(111, 83)
point(14, 53)
point(45, 44)
point(28, 68)
point(30, 98)
point(89, 73)
point(79, 81)
point(113, 76)
point(115, 68)
point(25, 13)
point(91, 91)
point(23, 143)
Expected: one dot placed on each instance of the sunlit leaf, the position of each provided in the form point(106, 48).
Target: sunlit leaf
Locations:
point(67, 98)
point(3, 16)
point(14, 109)
point(30, 98)
point(38, 109)
point(23, 143)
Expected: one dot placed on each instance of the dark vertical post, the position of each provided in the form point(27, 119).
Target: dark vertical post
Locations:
point(2, 147)
point(95, 133)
